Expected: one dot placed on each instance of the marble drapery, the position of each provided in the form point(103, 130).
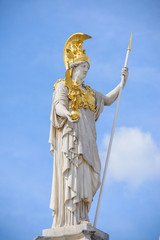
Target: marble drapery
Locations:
point(76, 170)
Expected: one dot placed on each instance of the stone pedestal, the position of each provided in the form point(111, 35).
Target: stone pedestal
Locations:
point(76, 232)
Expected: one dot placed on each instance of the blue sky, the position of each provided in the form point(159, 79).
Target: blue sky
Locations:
point(33, 34)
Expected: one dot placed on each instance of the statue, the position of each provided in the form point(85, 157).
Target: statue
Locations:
point(75, 109)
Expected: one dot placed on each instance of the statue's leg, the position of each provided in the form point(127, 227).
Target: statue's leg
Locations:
point(84, 190)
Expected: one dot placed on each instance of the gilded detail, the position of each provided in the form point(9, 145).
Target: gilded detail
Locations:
point(73, 51)
point(78, 96)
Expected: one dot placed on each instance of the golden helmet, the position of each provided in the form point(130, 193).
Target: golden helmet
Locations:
point(73, 51)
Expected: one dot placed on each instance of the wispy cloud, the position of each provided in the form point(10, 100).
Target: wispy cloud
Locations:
point(135, 157)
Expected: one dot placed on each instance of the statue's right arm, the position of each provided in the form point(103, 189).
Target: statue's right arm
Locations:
point(61, 92)
point(62, 111)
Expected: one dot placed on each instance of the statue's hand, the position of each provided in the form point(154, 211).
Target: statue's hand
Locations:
point(125, 74)
point(64, 113)
point(68, 116)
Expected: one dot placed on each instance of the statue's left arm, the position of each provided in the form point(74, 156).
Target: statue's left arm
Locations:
point(112, 96)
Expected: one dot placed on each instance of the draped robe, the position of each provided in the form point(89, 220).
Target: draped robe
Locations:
point(76, 170)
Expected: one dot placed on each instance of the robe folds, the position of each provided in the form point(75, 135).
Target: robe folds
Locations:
point(76, 170)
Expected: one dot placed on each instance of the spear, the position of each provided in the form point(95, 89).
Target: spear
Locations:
point(112, 133)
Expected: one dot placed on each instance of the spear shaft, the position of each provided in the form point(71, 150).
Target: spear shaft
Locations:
point(112, 133)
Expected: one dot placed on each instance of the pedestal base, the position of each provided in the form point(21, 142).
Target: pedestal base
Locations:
point(75, 232)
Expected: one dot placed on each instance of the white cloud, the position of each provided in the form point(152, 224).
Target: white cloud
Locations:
point(135, 157)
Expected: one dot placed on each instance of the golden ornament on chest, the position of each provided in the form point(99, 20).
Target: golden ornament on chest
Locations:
point(78, 96)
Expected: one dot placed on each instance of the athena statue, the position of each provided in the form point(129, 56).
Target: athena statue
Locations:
point(75, 109)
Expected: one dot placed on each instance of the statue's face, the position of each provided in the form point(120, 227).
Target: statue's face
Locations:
point(81, 70)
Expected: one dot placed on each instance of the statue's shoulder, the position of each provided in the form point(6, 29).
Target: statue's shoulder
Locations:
point(61, 81)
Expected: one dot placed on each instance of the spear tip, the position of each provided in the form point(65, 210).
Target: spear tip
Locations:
point(130, 42)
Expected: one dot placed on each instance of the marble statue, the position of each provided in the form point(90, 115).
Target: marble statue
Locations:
point(75, 109)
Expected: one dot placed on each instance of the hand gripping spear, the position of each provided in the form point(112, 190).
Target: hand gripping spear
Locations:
point(112, 133)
